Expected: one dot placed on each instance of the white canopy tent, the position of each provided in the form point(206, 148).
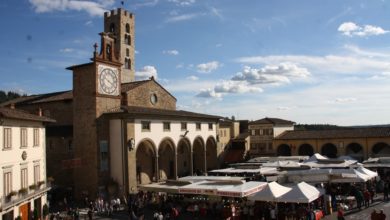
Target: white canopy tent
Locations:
point(270, 193)
point(242, 190)
point(301, 193)
point(348, 176)
point(368, 172)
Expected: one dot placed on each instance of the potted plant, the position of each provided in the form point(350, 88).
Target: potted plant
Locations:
point(9, 196)
point(33, 186)
point(22, 191)
point(40, 183)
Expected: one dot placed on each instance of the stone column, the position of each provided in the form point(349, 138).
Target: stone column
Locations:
point(205, 162)
point(192, 163)
point(175, 170)
point(157, 169)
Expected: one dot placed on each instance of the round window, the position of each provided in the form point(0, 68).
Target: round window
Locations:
point(153, 99)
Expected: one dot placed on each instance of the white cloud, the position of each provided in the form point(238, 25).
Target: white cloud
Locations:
point(208, 93)
point(225, 87)
point(270, 74)
point(88, 23)
point(345, 100)
point(183, 17)
point(218, 45)
point(193, 78)
point(339, 64)
point(235, 87)
point(352, 29)
point(66, 50)
point(91, 7)
point(171, 52)
point(283, 108)
point(183, 2)
point(145, 4)
point(146, 72)
point(208, 67)
point(136, 52)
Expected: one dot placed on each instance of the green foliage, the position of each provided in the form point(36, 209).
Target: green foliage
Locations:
point(6, 96)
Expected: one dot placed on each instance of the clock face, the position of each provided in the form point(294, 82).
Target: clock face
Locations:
point(108, 80)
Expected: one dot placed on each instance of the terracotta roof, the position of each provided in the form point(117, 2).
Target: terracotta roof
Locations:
point(125, 87)
point(345, 133)
point(131, 85)
point(274, 121)
point(48, 97)
point(162, 112)
point(18, 114)
point(234, 156)
point(241, 136)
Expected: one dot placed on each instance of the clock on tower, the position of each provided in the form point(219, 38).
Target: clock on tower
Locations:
point(108, 80)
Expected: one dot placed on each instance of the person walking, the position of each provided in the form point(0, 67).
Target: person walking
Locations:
point(340, 213)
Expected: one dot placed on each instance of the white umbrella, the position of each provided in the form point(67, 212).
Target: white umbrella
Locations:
point(368, 172)
point(301, 193)
point(270, 192)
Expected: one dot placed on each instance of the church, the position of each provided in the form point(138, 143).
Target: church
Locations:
point(112, 130)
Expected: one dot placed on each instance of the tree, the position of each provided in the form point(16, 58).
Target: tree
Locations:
point(6, 96)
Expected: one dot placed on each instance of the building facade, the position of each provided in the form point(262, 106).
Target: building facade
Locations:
point(262, 133)
point(23, 164)
point(114, 131)
point(359, 143)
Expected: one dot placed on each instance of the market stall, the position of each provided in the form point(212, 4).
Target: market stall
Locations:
point(300, 193)
point(270, 193)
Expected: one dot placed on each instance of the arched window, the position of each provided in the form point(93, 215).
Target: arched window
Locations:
point(127, 28)
point(127, 39)
point(112, 28)
point(126, 62)
point(129, 65)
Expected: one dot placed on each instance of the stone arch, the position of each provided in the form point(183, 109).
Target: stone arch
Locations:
point(184, 165)
point(381, 149)
point(145, 161)
point(306, 150)
point(198, 156)
point(166, 159)
point(211, 154)
point(355, 151)
point(283, 150)
point(329, 150)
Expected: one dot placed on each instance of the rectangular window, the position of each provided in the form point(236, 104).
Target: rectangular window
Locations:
point(253, 132)
point(7, 177)
point(257, 132)
point(103, 156)
point(70, 145)
point(167, 126)
point(36, 137)
point(7, 138)
point(23, 137)
point(145, 125)
point(24, 178)
point(184, 126)
point(37, 174)
point(198, 126)
point(210, 126)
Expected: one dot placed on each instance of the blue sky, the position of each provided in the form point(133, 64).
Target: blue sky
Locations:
point(307, 61)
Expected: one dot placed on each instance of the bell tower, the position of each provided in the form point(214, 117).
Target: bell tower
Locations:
point(120, 23)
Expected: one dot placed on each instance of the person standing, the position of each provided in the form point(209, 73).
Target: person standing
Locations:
point(340, 213)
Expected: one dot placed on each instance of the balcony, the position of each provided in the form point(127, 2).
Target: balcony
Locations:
point(18, 197)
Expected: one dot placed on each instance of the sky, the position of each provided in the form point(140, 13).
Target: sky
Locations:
point(308, 61)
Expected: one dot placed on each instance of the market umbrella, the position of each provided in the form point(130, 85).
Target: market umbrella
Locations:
point(270, 193)
point(301, 193)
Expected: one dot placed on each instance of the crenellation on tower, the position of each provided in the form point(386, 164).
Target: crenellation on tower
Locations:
point(120, 22)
